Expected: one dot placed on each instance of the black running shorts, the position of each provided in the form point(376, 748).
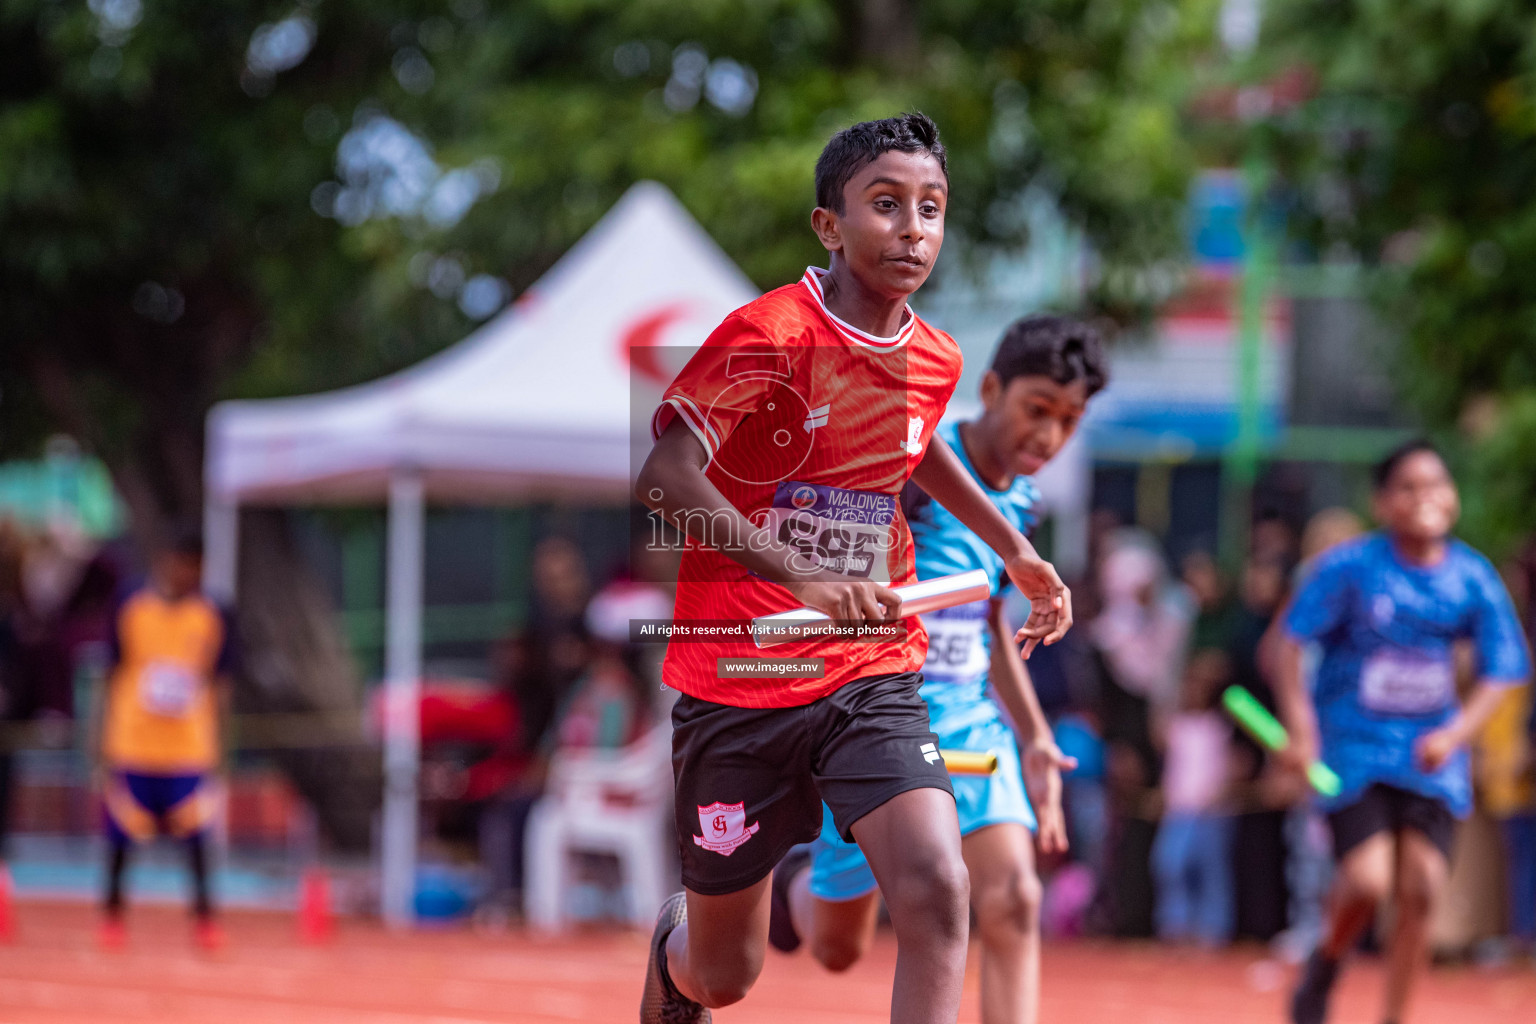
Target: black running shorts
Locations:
point(751, 781)
point(1385, 808)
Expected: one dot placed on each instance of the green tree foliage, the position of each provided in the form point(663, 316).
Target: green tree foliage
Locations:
point(1416, 153)
point(205, 198)
point(155, 230)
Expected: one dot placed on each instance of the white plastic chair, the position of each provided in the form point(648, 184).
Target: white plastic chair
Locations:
point(615, 802)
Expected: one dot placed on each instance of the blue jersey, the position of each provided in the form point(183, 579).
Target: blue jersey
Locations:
point(961, 714)
point(1387, 676)
point(959, 646)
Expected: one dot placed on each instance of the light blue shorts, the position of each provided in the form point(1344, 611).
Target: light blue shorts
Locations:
point(838, 869)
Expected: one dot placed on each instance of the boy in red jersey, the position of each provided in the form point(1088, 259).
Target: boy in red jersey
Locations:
point(781, 450)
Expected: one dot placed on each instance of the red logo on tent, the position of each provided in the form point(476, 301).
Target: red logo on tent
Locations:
point(637, 342)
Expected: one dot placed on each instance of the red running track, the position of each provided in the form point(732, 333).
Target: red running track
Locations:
point(53, 972)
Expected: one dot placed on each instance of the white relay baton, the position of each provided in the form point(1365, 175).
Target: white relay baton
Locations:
point(916, 598)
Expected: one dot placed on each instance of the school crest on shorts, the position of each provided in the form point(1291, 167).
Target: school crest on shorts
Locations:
point(725, 827)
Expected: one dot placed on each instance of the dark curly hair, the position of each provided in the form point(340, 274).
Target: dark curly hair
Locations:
point(1057, 347)
point(859, 144)
point(1383, 472)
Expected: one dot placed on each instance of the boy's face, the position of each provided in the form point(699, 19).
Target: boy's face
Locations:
point(1031, 418)
point(178, 573)
point(892, 223)
point(1203, 578)
point(1263, 585)
point(1419, 502)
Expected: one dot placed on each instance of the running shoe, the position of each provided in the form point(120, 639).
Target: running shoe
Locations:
point(662, 1003)
point(1309, 1003)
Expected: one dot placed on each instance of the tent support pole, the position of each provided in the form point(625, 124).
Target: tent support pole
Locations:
point(402, 680)
point(221, 548)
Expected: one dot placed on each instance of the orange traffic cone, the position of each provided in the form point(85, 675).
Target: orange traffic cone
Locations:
point(315, 922)
point(7, 918)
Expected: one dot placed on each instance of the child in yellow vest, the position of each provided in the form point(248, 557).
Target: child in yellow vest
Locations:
point(172, 653)
point(1504, 763)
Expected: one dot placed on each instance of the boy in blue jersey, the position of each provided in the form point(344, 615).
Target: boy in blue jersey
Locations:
point(1042, 375)
point(1387, 611)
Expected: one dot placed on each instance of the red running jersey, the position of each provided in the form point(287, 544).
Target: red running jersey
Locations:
point(812, 427)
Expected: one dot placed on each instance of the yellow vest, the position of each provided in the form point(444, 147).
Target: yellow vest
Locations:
point(162, 710)
point(1501, 755)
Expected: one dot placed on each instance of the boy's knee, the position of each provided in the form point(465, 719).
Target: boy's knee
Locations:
point(1372, 889)
point(1415, 901)
point(723, 994)
point(837, 953)
point(1417, 892)
point(724, 985)
point(1011, 905)
point(947, 884)
point(1368, 885)
point(936, 893)
point(722, 976)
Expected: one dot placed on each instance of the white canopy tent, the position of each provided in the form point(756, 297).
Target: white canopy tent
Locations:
point(536, 403)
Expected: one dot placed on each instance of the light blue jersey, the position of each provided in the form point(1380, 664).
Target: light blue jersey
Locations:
point(1387, 629)
point(959, 643)
point(960, 710)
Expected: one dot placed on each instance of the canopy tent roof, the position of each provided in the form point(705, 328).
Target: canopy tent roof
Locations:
point(537, 402)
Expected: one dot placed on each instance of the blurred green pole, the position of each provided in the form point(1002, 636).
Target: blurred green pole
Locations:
point(1240, 464)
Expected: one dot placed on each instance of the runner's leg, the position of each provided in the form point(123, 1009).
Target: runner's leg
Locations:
point(117, 864)
point(1421, 877)
point(1005, 892)
point(839, 932)
point(1364, 881)
point(745, 795)
point(1363, 833)
point(715, 956)
point(913, 845)
point(197, 861)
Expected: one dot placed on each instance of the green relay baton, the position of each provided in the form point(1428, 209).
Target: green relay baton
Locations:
point(1256, 720)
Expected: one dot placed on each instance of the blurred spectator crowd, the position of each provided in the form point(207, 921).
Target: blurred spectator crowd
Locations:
point(1180, 826)
point(567, 685)
point(57, 592)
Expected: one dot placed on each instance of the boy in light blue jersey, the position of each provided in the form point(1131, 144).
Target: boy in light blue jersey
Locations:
point(1045, 370)
point(1388, 610)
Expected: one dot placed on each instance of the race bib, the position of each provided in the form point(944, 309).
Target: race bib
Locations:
point(957, 648)
point(1395, 682)
point(850, 533)
point(167, 689)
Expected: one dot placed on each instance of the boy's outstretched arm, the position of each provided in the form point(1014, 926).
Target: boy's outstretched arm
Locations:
point(673, 483)
point(1050, 603)
point(1434, 748)
point(1293, 702)
point(1043, 760)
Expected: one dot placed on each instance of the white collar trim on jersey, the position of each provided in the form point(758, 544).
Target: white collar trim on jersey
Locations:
point(812, 282)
